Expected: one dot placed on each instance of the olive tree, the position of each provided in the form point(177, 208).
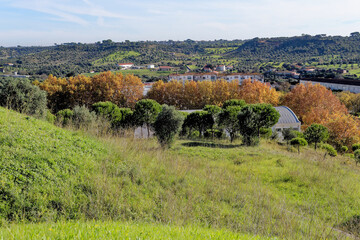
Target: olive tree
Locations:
point(167, 125)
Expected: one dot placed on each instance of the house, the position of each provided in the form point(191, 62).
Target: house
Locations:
point(206, 69)
point(165, 68)
point(287, 120)
point(8, 64)
point(221, 68)
point(147, 87)
point(335, 84)
point(151, 66)
point(126, 65)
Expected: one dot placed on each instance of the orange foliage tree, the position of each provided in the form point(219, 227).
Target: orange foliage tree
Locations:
point(258, 92)
point(195, 95)
point(82, 90)
point(313, 103)
point(343, 130)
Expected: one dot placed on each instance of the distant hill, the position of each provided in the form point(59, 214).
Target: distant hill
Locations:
point(243, 55)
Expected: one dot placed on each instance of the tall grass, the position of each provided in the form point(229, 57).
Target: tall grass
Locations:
point(266, 191)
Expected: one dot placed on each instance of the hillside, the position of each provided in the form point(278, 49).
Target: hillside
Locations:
point(50, 174)
point(258, 54)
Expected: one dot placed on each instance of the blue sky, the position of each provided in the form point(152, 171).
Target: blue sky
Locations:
point(45, 22)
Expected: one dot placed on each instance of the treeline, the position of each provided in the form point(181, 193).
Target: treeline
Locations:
point(82, 90)
point(250, 55)
point(195, 95)
point(311, 103)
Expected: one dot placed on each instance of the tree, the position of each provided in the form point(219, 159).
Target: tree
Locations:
point(313, 103)
point(298, 142)
point(146, 112)
point(167, 125)
point(357, 156)
point(254, 117)
point(329, 150)
point(213, 110)
point(355, 147)
point(228, 119)
point(22, 96)
point(258, 92)
point(289, 134)
point(316, 133)
point(234, 102)
point(199, 120)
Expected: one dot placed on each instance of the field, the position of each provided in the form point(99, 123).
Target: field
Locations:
point(116, 57)
point(200, 188)
point(140, 72)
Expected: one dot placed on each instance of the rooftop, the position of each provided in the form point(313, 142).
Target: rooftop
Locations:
point(286, 115)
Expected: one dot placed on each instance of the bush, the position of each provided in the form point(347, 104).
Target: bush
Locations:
point(64, 117)
point(299, 142)
point(167, 125)
point(50, 117)
point(355, 147)
point(330, 150)
point(22, 96)
point(213, 132)
point(83, 118)
point(357, 156)
point(344, 149)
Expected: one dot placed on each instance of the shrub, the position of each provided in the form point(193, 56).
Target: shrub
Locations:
point(355, 147)
point(344, 149)
point(330, 150)
point(213, 133)
point(50, 117)
point(22, 96)
point(357, 156)
point(64, 117)
point(167, 125)
point(83, 118)
point(233, 102)
point(299, 142)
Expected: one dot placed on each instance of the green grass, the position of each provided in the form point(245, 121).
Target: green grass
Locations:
point(116, 57)
point(140, 72)
point(114, 230)
point(50, 174)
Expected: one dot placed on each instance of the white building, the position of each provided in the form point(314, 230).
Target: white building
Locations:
point(150, 66)
point(126, 65)
point(336, 84)
point(287, 119)
point(197, 77)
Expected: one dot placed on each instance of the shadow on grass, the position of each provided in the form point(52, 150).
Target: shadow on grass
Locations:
point(210, 145)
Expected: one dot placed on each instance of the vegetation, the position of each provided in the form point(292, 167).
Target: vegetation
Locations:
point(60, 175)
point(298, 142)
point(146, 112)
point(167, 124)
point(316, 133)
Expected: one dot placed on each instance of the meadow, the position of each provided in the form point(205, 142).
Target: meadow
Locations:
point(86, 185)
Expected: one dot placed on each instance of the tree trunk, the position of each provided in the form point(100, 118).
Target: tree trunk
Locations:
point(298, 149)
point(315, 146)
point(148, 130)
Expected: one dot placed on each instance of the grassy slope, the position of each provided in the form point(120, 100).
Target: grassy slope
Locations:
point(265, 191)
point(114, 230)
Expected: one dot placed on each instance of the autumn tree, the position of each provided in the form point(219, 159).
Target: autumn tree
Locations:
point(313, 103)
point(258, 92)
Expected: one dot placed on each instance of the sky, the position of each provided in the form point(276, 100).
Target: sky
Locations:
point(46, 22)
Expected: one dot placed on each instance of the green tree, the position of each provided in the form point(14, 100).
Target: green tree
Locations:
point(355, 147)
point(146, 112)
point(22, 96)
point(167, 125)
point(254, 117)
point(316, 133)
point(329, 150)
point(298, 142)
point(289, 134)
point(228, 120)
point(124, 119)
point(64, 117)
point(233, 102)
point(199, 120)
point(214, 111)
